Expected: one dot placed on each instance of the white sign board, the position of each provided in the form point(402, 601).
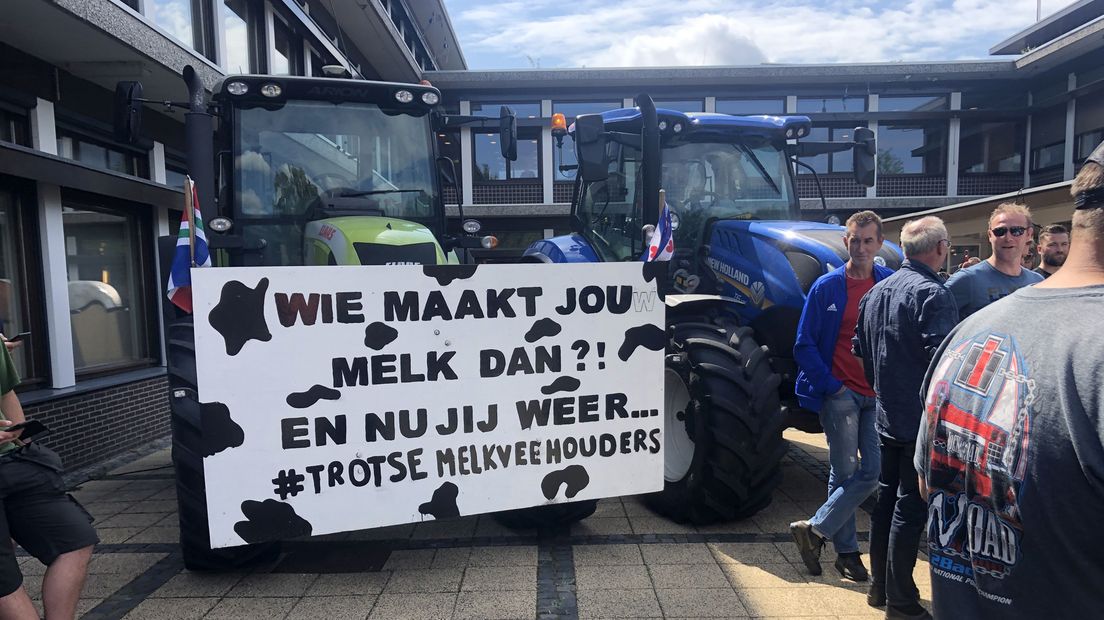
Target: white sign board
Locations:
point(345, 398)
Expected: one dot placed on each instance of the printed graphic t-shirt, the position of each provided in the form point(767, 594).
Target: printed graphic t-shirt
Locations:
point(978, 286)
point(1012, 450)
point(846, 367)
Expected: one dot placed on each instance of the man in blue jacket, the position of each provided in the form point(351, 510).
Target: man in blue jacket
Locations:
point(833, 384)
point(902, 322)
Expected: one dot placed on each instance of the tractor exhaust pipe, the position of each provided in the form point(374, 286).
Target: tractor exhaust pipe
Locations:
point(200, 143)
point(649, 138)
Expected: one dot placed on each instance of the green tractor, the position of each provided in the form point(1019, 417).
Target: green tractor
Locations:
point(307, 171)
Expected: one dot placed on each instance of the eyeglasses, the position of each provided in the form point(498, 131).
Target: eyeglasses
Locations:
point(1017, 231)
point(947, 241)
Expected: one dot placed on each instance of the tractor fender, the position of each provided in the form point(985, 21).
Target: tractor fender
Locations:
point(564, 249)
point(700, 303)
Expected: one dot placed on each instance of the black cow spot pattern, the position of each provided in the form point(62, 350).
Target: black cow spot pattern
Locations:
point(443, 503)
point(445, 274)
point(302, 400)
point(651, 337)
point(379, 335)
point(220, 431)
point(270, 520)
point(543, 328)
point(239, 315)
point(561, 384)
point(574, 476)
point(656, 270)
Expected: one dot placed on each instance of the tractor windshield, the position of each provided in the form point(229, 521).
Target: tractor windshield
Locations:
point(293, 164)
point(704, 180)
point(747, 180)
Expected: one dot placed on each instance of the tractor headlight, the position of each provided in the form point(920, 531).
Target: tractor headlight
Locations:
point(237, 88)
point(430, 98)
point(221, 224)
point(271, 90)
point(472, 226)
point(404, 96)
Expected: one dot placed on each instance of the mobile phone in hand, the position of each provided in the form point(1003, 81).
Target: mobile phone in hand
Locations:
point(19, 337)
point(30, 429)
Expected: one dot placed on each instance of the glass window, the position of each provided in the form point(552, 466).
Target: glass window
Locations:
point(174, 177)
point(926, 103)
point(287, 50)
point(177, 17)
point(994, 100)
point(834, 162)
point(491, 166)
point(681, 105)
point(14, 128)
point(106, 293)
point(522, 110)
point(911, 148)
point(97, 154)
point(1086, 143)
point(747, 107)
point(822, 105)
point(571, 109)
point(991, 147)
point(1049, 156)
point(12, 285)
point(235, 28)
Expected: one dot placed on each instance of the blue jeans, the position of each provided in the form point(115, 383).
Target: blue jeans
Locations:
point(848, 421)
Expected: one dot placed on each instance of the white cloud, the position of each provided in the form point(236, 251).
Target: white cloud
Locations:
point(732, 32)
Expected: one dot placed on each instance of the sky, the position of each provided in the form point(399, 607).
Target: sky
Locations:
point(520, 34)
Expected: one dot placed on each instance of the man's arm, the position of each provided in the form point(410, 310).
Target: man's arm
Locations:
point(860, 343)
point(806, 351)
point(938, 315)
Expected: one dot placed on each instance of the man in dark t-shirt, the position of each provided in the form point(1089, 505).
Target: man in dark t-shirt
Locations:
point(1054, 245)
point(1011, 456)
point(833, 384)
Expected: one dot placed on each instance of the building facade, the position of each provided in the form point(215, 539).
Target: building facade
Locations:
point(80, 212)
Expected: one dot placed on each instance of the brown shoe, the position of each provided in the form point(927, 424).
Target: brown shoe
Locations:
point(809, 544)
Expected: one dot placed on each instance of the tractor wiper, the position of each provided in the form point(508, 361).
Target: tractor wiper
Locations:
point(373, 192)
point(758, 166)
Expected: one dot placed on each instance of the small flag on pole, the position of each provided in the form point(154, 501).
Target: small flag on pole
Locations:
point(191, 250)
point(662, 244)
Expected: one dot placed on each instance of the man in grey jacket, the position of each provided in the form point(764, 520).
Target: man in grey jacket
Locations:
point(902, 322)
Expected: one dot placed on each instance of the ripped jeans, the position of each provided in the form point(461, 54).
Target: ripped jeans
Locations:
point(848, 421)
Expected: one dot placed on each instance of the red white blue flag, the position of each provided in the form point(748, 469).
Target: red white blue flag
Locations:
point(191, 251)
point(662, 244)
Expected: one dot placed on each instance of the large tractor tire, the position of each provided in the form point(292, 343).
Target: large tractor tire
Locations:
point(550, 516)
point(191, 489)
point(723, 423)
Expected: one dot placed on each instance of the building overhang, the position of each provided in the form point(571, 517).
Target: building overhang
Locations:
point(369, 25)
point(1049, 29)
point(433, 20)
point(27, 163)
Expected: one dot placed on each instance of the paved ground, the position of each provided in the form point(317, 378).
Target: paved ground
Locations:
point(624, 561)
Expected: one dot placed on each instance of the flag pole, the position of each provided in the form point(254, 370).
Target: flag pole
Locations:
point(189, 210)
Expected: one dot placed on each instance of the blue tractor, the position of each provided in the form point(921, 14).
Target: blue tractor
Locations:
point(741, 267)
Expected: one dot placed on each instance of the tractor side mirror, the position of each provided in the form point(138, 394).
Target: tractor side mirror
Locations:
point(865, 153)
point(507, 133)
point(590, 147)
point(447, 169)
point(128, 111)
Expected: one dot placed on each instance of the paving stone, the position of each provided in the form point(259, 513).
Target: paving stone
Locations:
point(348, 584)
point(156, 534)
point(438, 606)
point(775, 575)
point(688, 576)
point(634, 507)
point(785, 602)
point(700, 603)
point(449, 528)
point(198, 585)
point(425, 580)
point(611, 507)
point(409, 558)
point(776, 518)
point(500, 578)
point(677, 553)
point(456, 557)
point(618, 604)
point(488, 527)
point(746, 526)
point(103, 586)
point(116, 535)
point(103, 509)
point(277, 585)
point(607, 578)
point(260, 608)
point(332, 608)
point(152, 506)
point(747, 553)
point(601, 526)
point(659, 525)
point(606, 555)
point(503, 556)
point(501, 605)
point(171, 609)
point(129, 563)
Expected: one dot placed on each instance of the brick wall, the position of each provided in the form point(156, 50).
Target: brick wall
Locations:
point(95, 426)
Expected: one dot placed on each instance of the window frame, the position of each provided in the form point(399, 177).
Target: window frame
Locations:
point(831, 157)
point(945, 133)
point(509, 164)
point(32, 292)
point(778, 100)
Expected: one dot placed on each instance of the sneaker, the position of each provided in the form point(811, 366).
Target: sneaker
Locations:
point(851, 567)
point(809, 544)
point(876, 597)
point(915, 611)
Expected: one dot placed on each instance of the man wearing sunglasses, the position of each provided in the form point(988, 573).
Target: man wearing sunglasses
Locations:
point(1011, 457)
point(1001, 273)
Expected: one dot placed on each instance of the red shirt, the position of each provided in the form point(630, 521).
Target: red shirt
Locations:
point(847, 367)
